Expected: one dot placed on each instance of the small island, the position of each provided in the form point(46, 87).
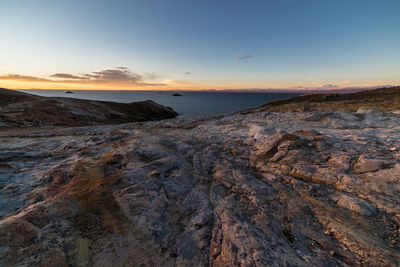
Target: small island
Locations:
point(176, 94)
point(69, 92)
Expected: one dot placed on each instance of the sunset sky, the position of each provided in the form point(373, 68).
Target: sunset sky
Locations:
point(192, 44)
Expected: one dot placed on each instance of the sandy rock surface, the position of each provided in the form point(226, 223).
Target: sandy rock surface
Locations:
point(317, 188)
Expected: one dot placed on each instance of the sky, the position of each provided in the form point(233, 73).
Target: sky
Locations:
point(192, 44)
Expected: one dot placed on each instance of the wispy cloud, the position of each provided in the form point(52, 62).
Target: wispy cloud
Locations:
point(322, 87)
point(243, 57)
point(345, 82)
point(67, 76)
point(329, 86)
point(119, 76)
point(152, 76)
point(111, 75)
point(25, 78)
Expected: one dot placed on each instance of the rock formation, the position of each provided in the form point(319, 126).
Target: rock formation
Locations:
point(310, 188)
point(19, 109)
point(384, 99)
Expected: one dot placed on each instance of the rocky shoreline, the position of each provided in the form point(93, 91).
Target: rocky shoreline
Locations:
point(299, 188)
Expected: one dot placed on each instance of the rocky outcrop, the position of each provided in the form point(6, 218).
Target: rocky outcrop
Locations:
point(263, 189)
point(384, 99)
point(19, 109)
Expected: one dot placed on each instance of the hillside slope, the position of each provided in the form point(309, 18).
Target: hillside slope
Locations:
point(382, 99)
point(19, 109)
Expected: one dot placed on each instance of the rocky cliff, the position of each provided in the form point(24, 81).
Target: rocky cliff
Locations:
point(19, 109)
point(310, 188)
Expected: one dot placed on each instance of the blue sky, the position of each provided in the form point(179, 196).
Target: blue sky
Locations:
point(192, 44)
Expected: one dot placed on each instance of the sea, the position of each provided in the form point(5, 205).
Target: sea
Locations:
point(190, 103)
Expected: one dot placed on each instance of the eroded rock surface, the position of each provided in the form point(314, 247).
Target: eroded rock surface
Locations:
point(264, 189)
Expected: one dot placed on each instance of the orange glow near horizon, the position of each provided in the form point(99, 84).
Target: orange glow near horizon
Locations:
point(169, 85)
point(13, 84)
point(166, 85)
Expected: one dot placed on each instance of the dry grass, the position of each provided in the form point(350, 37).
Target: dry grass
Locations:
point(91, 191)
